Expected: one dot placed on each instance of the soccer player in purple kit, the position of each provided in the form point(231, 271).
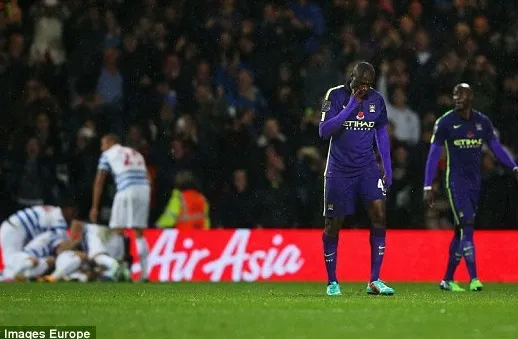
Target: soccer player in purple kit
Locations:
point(462, 131)
point(354, 118)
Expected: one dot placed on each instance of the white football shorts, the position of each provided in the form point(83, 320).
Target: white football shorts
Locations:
point(130, 208)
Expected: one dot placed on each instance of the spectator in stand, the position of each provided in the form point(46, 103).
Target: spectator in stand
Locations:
point(309, 181)
point(308, 17)
point(83, 165)
point(275, 201)
point(448, 72)
point(496, 203)
point(48, 34)
point(407, 30)
point(248, 95)
point(406, 122)
point(400, 195)
point(482, 35)
point(506, 121)
point(31, 177)
point(481, 73)
point(347, 46)
point(237, 208)
point(176, 75)
point(110, 89)
point(136, 140)
point(421, 65)
point(47, 135)
point(319, 75)
point(285, 102)
point(271, 133)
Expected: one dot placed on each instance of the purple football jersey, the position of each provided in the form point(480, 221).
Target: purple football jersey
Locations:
point(351, 148)
point(463, 141)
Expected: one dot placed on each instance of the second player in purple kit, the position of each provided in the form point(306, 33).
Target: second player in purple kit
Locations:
point(462, 132)
point(354, 118)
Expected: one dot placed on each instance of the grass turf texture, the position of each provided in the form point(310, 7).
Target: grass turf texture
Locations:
point(263, 310)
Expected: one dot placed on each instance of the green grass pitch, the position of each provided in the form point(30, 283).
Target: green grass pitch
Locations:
point(263, 310)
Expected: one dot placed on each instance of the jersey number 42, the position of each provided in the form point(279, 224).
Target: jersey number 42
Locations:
point(132, 158)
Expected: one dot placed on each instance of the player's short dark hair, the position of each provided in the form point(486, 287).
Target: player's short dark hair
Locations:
point(113, 137)
point(364, 65)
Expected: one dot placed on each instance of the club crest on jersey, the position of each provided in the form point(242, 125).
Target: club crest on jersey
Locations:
point(360, 116)
point(470, 134)
point(479, 127)
point(326, 105)
point(372, 108)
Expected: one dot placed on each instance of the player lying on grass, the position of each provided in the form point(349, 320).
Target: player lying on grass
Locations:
point(38, 256)
point(86, 247)
point(354, 118)
point(27, 224)
point(462, 131)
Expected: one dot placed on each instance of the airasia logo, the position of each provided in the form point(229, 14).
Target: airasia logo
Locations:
point(179, 260)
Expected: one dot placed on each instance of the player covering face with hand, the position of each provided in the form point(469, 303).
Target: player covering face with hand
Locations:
point(354, 118)
point(462, 132)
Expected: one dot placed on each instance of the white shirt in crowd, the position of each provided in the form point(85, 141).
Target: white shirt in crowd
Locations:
point(407, 127)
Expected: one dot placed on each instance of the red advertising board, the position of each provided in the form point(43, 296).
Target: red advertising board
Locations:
point(296, 255)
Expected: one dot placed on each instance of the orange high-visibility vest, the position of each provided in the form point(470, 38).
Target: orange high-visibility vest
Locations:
point(186, 210)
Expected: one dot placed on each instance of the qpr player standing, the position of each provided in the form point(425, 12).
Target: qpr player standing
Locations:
point(130, 208)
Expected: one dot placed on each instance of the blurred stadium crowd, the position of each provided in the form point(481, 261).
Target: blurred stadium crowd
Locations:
point(231, 91)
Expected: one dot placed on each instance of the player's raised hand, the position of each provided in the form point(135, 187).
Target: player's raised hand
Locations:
point(429, 197)
point(359, 93)
point(94, 214)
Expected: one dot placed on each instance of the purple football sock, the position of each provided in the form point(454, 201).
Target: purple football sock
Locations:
point(454, 258)
point(330, 256)
point(377, 242)
point(468, 250)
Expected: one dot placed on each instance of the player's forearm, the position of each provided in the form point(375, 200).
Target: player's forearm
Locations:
point(96, 197)
point(68, 245)
point(96, 193)
point(383, 144)
point(100, 178)
point(431, 165)
point(501, 154)
point(329, 127)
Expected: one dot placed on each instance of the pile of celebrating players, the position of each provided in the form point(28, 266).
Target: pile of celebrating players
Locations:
point(45, 243)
